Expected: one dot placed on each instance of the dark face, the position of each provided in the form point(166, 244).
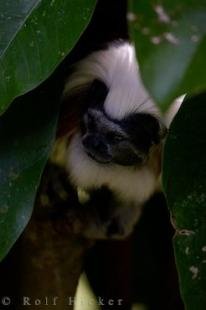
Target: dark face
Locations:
point(125, 142)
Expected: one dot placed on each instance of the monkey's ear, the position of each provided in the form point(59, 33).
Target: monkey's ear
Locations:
point(74, 105)
point(144, 129)
point(163, 131)
point(160, 132)
point(97, 93)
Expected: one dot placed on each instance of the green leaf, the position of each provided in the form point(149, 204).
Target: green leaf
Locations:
point(35, 36)
point(184, 179)
point(27, 131)
point(170, 39)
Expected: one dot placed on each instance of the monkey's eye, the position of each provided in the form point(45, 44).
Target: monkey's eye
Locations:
point(119, 138)
point(114, 138)
point(90, 122)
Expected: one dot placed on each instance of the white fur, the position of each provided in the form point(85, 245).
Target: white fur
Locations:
point(130, 184)
point(118, 69)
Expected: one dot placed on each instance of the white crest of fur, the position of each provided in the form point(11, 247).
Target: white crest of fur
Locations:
point(117, 67)
point(134, 185)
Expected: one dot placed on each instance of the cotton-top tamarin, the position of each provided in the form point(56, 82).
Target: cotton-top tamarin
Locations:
point(114, 154)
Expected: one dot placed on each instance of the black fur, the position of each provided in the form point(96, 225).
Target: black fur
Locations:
point(143, 129)
point(97, 94)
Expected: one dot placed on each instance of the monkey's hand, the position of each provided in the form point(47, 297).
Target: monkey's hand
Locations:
point(103, 216)
point(94, 215)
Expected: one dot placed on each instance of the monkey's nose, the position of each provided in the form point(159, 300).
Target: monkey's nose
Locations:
point(96, 148)
point(95, 143)
point(92, 142)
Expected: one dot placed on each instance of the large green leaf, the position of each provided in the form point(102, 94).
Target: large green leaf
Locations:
point(184, 181)
point(35, 35)
point(27, 130)
point(171, 46)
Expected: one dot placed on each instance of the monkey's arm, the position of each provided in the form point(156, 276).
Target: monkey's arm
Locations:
point(107, 216)
point(101, 215)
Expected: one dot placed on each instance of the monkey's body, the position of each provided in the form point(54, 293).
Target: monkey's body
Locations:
point(116, 147)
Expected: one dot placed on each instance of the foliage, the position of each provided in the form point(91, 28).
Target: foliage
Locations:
point(185, 186)
point(171, 46)
point(35, 36)
point(31, 46)
point(27, 131)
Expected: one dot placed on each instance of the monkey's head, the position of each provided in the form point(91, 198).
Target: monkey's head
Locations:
point(125, 141)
